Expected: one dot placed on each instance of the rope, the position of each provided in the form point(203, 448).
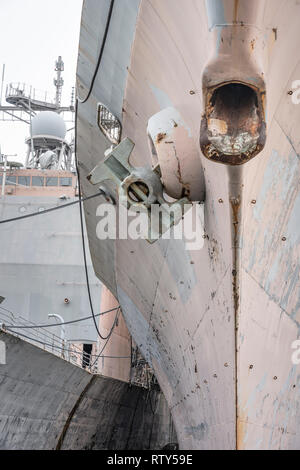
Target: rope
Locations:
point(101, 52)
point(106, 343)
point(104, 338)
point(68, 350)
point(55, 324)
point(33, 214)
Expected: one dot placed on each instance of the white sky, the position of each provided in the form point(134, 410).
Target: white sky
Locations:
point(33, 33)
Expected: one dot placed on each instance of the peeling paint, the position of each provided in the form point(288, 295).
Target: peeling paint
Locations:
point(161, 97)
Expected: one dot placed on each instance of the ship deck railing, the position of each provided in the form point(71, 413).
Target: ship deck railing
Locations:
point(46, 340)
point(18, 93)
point(141, 373)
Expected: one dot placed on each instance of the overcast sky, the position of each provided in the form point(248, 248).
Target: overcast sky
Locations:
point(33, 33)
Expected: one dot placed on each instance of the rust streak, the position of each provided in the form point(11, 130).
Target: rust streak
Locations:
point(252, 44)
point(160, 137)
point(235, 207)
point(236, 6)
point(186, 187)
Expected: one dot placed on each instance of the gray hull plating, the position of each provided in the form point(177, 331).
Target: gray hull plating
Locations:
point(41, 265)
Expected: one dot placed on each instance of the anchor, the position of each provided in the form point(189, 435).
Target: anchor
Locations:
point(140, 188)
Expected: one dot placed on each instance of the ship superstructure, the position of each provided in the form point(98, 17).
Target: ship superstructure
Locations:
point(42, 266)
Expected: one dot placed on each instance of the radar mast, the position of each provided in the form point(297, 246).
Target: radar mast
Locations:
point(47, 147)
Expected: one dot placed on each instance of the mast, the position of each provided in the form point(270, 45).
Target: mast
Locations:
point(58, 81)
point(46, 150)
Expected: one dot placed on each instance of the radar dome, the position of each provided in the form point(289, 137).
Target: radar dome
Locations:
point(49, 123)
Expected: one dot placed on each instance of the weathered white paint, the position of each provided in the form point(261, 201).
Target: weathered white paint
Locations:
point(119, 343)
point(176, 154)
point(179, 305)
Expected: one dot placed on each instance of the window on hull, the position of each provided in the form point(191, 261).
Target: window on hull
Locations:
point(109, 124)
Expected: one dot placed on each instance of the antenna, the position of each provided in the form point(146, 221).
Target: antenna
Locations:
point(2, 83)
point(72, 97)
point(47, 147)
point(58, 81)
point(24, 101)
point(4, 162)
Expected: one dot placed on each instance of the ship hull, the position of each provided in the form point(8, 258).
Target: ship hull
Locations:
point(216, 324)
